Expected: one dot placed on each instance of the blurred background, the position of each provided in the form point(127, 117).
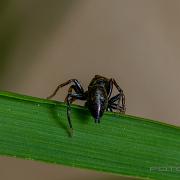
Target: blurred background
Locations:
point(44, 43)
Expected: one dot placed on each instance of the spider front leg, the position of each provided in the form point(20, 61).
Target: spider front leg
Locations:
point(69, 99)
point(79, 94)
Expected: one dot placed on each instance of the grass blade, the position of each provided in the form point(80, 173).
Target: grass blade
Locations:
point(36, 129)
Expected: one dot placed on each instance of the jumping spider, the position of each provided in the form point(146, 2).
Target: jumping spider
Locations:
point(98, 96)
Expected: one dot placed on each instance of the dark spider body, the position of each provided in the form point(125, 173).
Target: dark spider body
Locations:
point(98, 97)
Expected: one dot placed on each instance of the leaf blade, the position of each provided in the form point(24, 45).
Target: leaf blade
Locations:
point(34, 128)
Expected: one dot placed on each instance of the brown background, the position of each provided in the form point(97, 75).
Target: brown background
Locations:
point(43, 43)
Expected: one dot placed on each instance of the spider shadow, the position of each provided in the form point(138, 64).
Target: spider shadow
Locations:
point(81, 115)
point(54, 111)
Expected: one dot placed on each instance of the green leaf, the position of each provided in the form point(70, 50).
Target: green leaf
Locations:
point(36, 129)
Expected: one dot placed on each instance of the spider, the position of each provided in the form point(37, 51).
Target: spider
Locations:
point(98, 96)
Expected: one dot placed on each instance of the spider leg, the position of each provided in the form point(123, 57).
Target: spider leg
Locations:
point(75, 81)
point(72, 87)
point(69, 99)
point(110, 88)
point(120, 91)
point(109, 109)
point(115, 98)
point(120, 97)
point(112, 102)
point(116, 107)
point(79, 94)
